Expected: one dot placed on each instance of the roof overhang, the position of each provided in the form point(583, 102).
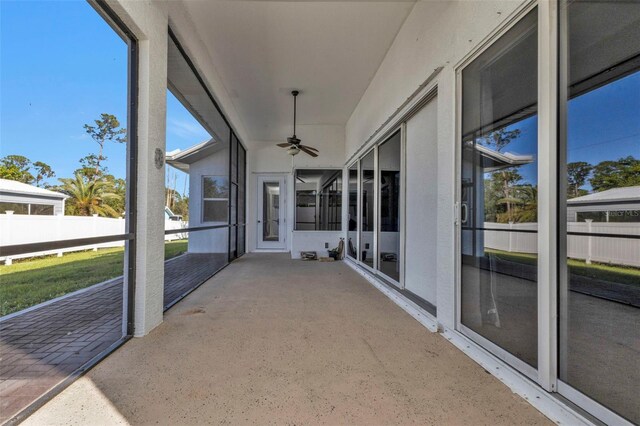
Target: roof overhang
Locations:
point(492, 160)
point(182, 159)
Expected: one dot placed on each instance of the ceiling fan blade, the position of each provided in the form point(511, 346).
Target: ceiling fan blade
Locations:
point(284, 145)
point(311, 153)
point(309, 148)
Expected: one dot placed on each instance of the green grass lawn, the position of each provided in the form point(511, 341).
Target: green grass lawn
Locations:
point(600, 271)
point(32, 281)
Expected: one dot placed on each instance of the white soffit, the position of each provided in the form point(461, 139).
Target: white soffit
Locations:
point(328, 50)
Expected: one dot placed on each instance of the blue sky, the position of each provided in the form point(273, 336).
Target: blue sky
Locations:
point(61, 67)
point(603, 124)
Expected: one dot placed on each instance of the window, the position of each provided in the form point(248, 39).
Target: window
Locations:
point(389, 154)
point(367, 197)
point(318, 200)
point(16, 208)
point(352, 235)
point(215, 199)
point(41, 209)
point(599, 259)
point(499, 194)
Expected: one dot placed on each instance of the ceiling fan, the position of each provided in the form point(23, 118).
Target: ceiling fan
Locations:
point(293, 144)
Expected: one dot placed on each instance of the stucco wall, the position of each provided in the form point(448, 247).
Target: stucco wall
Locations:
point(266, 157)
point(213, 240)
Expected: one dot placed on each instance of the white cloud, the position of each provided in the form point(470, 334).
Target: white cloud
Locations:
point(186, 130)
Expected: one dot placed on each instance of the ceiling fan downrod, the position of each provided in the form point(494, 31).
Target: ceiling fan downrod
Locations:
point(295, 104)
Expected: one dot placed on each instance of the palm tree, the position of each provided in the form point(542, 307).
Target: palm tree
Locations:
point(88, 196)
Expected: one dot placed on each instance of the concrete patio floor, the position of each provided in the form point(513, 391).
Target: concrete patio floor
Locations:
point(41, 347)
point(273, 340)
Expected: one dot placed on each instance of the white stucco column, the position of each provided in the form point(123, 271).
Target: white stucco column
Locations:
point(149, 22)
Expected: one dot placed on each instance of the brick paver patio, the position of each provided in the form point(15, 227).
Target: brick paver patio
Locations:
point(42, 347)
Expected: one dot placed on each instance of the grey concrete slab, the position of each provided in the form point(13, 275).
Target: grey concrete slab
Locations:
point(270, 340)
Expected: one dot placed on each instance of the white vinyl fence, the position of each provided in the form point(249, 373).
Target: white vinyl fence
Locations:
point(617, 251)
point(27, 229)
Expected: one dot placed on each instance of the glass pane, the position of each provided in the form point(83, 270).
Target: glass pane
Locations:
point(234, 159)
point(241, 184)
point(191, 258)
point(184, 84)
point(41, 209)
point(600, 290)
point(234, 206)
point(367, 178)
point(241, 246)
point(318, 200)
point(215, 187)
point(16, 208)
point(352, 234)
point(271, 211)
point(389, 228)
point(499, 192)
point(215, 211)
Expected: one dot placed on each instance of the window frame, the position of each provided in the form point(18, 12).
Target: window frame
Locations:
point(338, 172)
point(204, 199)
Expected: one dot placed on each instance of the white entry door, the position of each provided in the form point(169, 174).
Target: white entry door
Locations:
point(272, 227)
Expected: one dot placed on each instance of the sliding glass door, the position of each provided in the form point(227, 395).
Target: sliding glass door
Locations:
point(367, 209)
point(352, 230)
point(389, 196)
point(599, 306)
point(499, 196)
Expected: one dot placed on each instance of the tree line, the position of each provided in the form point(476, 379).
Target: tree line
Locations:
point(92, 189)
point(508, 199)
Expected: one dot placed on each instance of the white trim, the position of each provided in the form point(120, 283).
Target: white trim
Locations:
point(547, 191)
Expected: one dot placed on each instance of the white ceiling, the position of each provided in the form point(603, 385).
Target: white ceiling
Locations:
point(327, 50)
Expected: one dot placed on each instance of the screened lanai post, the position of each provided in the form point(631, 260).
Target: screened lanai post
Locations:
point(152, 86)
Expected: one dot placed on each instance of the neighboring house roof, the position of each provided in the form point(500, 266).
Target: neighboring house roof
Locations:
point(14, 187)
point(181, 159)
point(615, 195)
point(494, 160)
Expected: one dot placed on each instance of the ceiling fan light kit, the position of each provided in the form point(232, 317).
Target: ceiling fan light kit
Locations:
point(293, 144)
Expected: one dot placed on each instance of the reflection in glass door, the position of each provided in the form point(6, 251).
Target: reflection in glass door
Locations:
point(389, 154)
point(367, 209)
point(352, 234)
point(271, 210)
point(499, 196)
point(599, 256)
